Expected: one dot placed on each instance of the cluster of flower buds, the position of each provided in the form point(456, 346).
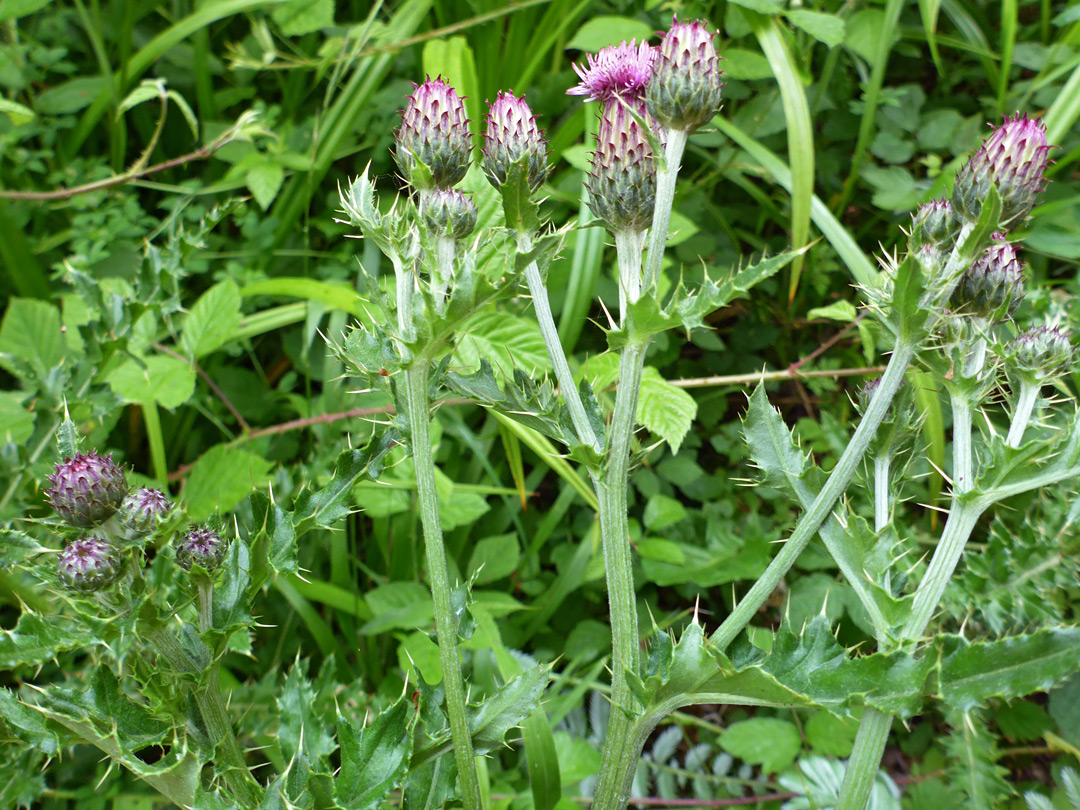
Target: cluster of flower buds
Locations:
point(201, 547)
point(1040, 353)
point(993, 287)
point(512, 137)
point(1012, 160)
point(685, 89)
point(87, 489)
point(433, 145)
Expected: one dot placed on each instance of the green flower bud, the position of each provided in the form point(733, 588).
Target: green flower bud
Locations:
point(622, 184)
point(201, 547)
point(434, 131)
point(1041, 353)
point(143, 509)
point(934, 225)
point(448, 212)
point(993, 287)
point(88, 564)
point(685, 89)
point(87, 489)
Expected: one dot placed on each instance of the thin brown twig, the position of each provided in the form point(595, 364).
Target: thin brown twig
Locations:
point(244, 426)
point(828, 344)
point(768, 376)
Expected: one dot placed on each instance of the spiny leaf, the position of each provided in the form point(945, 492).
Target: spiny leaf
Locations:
point(374, 759)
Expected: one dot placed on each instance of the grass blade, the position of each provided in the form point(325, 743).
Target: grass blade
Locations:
point(1009, 14)
point(928, 12)
point(1065, 110)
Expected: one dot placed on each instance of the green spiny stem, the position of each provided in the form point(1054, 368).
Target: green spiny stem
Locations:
point(582, 426)
point(404, 288)
point(819, 510)
point(418, 407)
point(1025, 404)
point(963, 471)
point(665, 195)
point(445, 253)
point(882, 485)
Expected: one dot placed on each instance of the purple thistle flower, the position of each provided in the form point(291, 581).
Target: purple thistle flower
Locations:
point(434, 147)
point(1041, 352)
point(87, 489)
point(511, 136)
point(201, 547)
point(143, 508)
point(686, 85)
point(993, 287)
point(448, 212)
point(620, 70)
point(622, 183)
point(88, 564)
point(1014, 160)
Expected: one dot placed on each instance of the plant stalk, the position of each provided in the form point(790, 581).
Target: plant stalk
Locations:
point(963, 472)
point(882, 463)
point(665, 196)
point(628, 247)
point(418, 406)
point(862, 768)
point(445, 253)
point(819, 510)
point(1025, 404)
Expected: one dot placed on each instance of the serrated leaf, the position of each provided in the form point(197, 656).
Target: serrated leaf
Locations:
point(505, 340)
point(975, 770)
point(374, 759)
point(766, 741)
point(31, 343)
point(221, 478)
point(264, 181)
point(771, 446)
point(167, 381)
point(330, 503)
point(212, 320)
point(665, 409)
point(507, 708)
point(35, 640)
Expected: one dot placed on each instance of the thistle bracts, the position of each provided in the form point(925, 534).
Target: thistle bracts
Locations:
point(1041, 353)
point(88, 564)
point(511, 137)
point(934, 225)
point(621, 71)
point(201, 547)
point(1013, 160)
point(993, 286)
point(685, 89)
point(449, 213)
point(622, 183)
point(433, 146)
point(143, 509)
point(87, 489)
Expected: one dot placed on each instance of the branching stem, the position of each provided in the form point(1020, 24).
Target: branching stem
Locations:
point(1025, 405)
point(882, 484)
point(665, 196)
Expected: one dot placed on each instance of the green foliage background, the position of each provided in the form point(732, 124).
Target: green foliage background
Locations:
point(839, 119)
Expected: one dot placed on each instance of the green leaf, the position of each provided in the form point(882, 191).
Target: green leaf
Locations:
point(975, 771)
point(298, 17)
point(837, 311)
point(505, 340)
point(17, 113)
point(772, 447)
point(599, 32)
point(329, 504)
point(375, 759)
point(264, 181)
point(662, 512)
point(31, 343)
point(665, 409)
point(70, 96)
point(773, 744)
point(507, 708)
point(221, 478)
point(542, 761)
point(13, 9)
point(827, 28)
point(160, 379)
point(212, 320)
point(830, 735)
point(494, 558)
point(27, 723)
point(16, 423)
point(36, 640)
point(148, 90)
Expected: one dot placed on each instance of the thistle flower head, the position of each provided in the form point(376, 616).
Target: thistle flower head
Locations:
point(618, 70)
point(88, 564)
point(622, 183)
point(1041, 352)
point(686, 86)
point(934, 224)
point(993, 286)
point(512, 136)
point(87, 489)
point(448, 212)
point(143, 508)
point(433, 142)
point(1013, 159)
point(201, 547)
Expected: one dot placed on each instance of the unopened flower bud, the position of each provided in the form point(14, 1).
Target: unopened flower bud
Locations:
point(201, 547)
point(1013, 159)
point(622, 183)
point(143, 509)
point(685, 89)
point(621, 70)
point(1041, 352)
point(993, 287)
point(448, 212)
point(87, 489)
point(934, 225)
point(433, 142)
point(512, 136)
point(88, 564)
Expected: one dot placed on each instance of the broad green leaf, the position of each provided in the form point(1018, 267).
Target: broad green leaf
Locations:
point(542, 761)
point(31, 343)
point(830, 735)
point(13, 9)
point(298, 17)
point(599, 32)
point(27, 723)
point(36, 639)
point(494, 558)
point(264, 181)
point(772, 447)
point(837, 311)
point(662, 511)
point(507, 708)
point(745, 65)
point(506, 341)
point(221, 478)
point(167, 381)
point(665, 409)
point(71, 96)
point(374, 759)
point(827, 28)
point(338, 296)
point(16, 113)
point(16, 423)
point(771, 743)
point(212, 320)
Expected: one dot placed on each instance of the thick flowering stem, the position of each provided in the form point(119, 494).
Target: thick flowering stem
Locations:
point(628, 247)
point(665, 195)
point(445, 252)
point(819, 510)
point(862, 768)
point(963, 468)
point(418, 407)
point(882, 484)
point(1025, 404)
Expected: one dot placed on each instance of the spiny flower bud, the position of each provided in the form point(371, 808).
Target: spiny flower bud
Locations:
point(993, 286)
point(433, 142)
point(201, 547)
point(685, 88)
point(448, 212)
point(1013, 159)
point(87, 489)
point(88, 564)
point(621, 70)
point(512, 136)
point(1041, 352)
point(934, 225)
point(143, 509)
point(622, 184)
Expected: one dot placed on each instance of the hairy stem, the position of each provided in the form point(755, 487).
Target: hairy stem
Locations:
point(862, 768)
point(1025, 404)
point(404, 289)
point(963, 473)
point(416, 394)
point(882, 489)
point(628, 247)
point(445, 253)
point(819, 510)
point(582, 426)
point(665, 195)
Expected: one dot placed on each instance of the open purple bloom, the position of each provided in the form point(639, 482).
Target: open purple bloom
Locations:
point(512, 135)
point(1013, 159)
point(620, 70)
point(433, 142)
point(686, 86)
